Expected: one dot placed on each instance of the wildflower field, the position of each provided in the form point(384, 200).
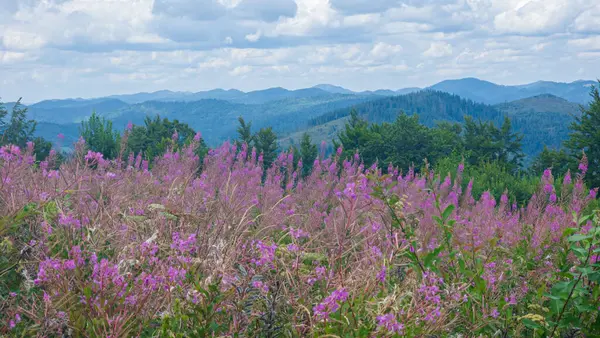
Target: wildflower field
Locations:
point(98, 248)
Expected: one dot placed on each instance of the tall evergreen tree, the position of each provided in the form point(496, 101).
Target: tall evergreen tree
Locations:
point(308, 153)
point(511, 149)
point(244, 131)
point(559, 160)
point(18, 130)
point(485, 142)
point(156, 135)
point(266, 144)
point(585, 136)
point(355, 134)
point(100, 137)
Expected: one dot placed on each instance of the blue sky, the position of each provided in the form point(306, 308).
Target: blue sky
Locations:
point(90, 48)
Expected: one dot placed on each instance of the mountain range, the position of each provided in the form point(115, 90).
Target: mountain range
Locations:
point(541, 110)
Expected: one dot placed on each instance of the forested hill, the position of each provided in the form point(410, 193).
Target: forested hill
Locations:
point(543, 120)
point(431, 106)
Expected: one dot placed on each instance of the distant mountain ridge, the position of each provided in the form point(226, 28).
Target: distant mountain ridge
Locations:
point(491, 93)
point(469, 88)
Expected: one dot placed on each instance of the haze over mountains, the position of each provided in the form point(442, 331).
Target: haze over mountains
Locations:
point(542, 110)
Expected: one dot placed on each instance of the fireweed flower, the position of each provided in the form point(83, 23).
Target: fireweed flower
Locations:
point(260, 286)
point(69, 221)
point(330, 304)
point(389, 323)
point(266, 254)
point(381, 274)
point(567, 180)
point(583, 167)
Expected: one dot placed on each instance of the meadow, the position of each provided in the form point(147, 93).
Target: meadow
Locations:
point(178, 248)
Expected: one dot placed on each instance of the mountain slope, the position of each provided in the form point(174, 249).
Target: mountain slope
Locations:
point(491, 93)
point(72, 111)
point(333, 89)
point(431, 106)
point(543, 120)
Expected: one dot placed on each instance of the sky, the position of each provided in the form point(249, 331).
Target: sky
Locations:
point(92, 48)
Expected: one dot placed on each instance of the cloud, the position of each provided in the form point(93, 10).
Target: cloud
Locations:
point(254, 37)
point(240, 70)
point(539, 17)
point(20, 40)
point(438, 50)
point(69, 48)
point(382, 50)
point(361, 6)
point(265, 10)
point(7, 57)
point(208, 10)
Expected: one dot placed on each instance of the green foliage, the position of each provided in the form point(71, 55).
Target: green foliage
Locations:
point(585, 136)
point(308, 154)
point(245, 133)
point(573, 302)
point(157, 135)
point(100, 137)
point(265, 142)
point(493, 176)
point(483, 141)
point(559, 160)
point(18, 130)
point(406, 142)
point(201, 318)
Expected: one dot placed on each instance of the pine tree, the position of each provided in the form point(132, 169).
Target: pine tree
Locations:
point(100, 137)
point(354, 135)
point(19, 130)
point(585, 137)
point(558, 160)
point(308, 153)
point(266, 144)
point(245, 133)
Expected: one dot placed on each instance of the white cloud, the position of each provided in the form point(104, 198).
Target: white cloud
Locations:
point(311, 16)
point(438, 49)
point(7, 57)
point(383, 50)
point(240, 70)
point(20, 40)
point(539, 16)
point(588, 21)
point(254, 37)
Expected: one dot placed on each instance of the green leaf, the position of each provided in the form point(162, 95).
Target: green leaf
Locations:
point(556, 305)
point(579, 237)
point(447, 212)
point(569, 231)
point(580, 252)
point(531, 324)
